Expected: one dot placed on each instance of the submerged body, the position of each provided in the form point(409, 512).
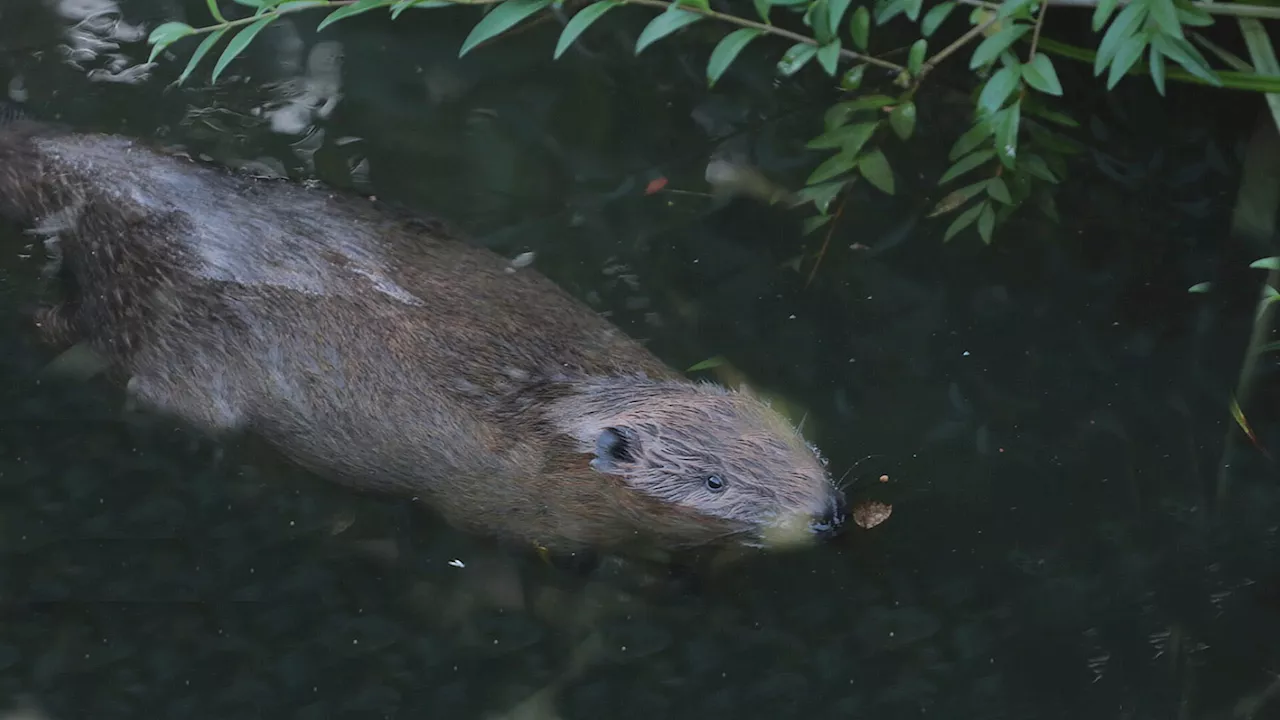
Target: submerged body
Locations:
point(378, 351)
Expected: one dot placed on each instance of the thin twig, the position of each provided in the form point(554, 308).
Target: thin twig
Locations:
point(835, 219)
point(947, 51)
point(771, 29)
point(1035, 35)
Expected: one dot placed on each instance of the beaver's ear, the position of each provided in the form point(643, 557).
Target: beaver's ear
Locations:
point(614, 448)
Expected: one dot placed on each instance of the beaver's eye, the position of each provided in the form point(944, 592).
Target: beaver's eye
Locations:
point(715, 483)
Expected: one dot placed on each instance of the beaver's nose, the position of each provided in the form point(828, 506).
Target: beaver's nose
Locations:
point(832, 520)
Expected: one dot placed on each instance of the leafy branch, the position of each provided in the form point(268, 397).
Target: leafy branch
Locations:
point(508, 13)
point(1012, 152)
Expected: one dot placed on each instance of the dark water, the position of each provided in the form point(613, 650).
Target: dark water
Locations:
point(1079, 531)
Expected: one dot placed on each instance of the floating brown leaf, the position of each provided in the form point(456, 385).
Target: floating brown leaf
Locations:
point(871, 513)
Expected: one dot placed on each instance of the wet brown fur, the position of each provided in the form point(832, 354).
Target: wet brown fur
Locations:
point(381, 352)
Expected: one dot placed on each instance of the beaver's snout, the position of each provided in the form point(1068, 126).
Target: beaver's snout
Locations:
point(830, 522)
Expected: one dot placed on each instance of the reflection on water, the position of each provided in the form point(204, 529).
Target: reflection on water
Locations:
point(1051, 414)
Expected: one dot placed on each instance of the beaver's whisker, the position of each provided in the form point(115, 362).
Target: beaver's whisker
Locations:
point(840, 483)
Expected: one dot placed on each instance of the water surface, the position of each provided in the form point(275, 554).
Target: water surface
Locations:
point(1079, 528)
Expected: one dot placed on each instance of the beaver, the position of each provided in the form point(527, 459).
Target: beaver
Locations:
point(379, 349)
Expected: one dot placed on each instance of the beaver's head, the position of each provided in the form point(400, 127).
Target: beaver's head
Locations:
point(724, 464)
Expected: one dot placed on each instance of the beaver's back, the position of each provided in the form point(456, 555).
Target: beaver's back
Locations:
point(206, 233)
point(359, 341)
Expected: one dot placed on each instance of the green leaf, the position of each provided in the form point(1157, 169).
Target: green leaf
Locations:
point(1200, 287)
point(1036, 165)
point(889, 10)
point(239, 43)
point(965, 164)
point(874, 166)
point(214, 11)
point(915, 56)
point(935, 17)
point(835, 13)
point(860, 27)
point(829, 55)
point(852, 80)
point(1156, 64)
point(972, 137)
point(661, 26)
point(589, 14)
point(1126, 56)
point(1271, 263)
point(990, 48)
point(1019, 185)
point(815, 17)
point(903, 120)
point(1009, 7)
point(170, 31)
point(999, 191)
point(912, 9)
point(1052, 116)
point(762, 8)
point(821, 195)
point(165, 35)
point(998, 89)
point(837, 164)
point(866, 102)
point(1189, 14)
point(1039, 74)
point(707, 364)
point(725, 52)
point(1165, 17)
point(956, 198)
point(837, 114)
point(849, 138)
point(203, 49)
point(964, 220)
point(1186, 55)
point(1231, 59)
point(815, 222)
point(353, 9)
point(1103, 12)
point(986, 222)
point(418, 5)
point(1123, 27)
point(291, 5)
point(499, 20)
point(1006, 132)
point(795, 58)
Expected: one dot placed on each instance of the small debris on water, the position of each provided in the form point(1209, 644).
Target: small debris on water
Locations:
point(655, 185)
point(871, 513)
point(457, 563)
